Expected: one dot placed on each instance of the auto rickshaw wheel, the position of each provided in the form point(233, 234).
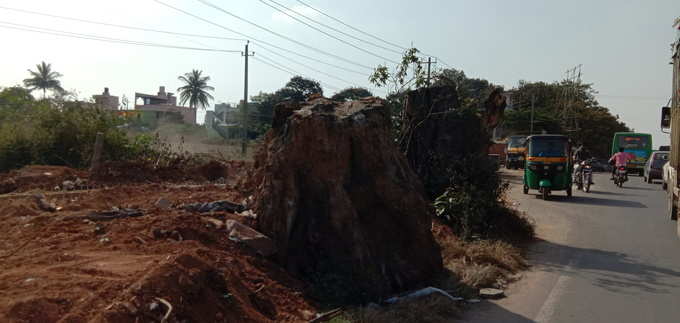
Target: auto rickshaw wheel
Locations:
point(545, 193)
point(569, 192)
point(525, 189)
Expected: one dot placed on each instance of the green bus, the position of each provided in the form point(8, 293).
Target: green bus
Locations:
point(638, 144)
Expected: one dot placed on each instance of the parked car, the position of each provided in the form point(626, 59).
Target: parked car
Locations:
point(654, 167)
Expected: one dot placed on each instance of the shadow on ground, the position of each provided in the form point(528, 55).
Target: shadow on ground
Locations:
point(613, 271)
point(588, 200)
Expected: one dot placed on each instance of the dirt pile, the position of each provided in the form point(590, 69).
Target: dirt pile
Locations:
point(37, 177)
point(49, 178)
point(437, 132)
point(341, 202)
point(59, 266)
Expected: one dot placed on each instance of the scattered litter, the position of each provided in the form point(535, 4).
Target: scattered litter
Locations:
point(248, 214)
point(163, 203)
point(212, 222)
point(420, 293)
point(115, 213)
point(216, 206)
point(491, 293)
point(99, 229)
point(28, 280)
point(105, 240)
point(169, 306)
point(327, 316)
point(43, 204)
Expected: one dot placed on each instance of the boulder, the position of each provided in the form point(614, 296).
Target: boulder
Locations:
point(339, 198)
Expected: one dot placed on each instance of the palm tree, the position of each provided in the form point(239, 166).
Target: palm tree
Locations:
point(44, 79)
point(195, 89)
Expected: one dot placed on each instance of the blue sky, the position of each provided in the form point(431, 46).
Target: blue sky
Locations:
point(623, 45)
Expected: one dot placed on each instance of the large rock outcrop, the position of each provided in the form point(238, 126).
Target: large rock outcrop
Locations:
point(339, 199)
point(437, 132)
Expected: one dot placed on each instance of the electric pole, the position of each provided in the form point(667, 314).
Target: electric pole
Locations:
point(244, 122)
point(429, 68)
point(533, 101)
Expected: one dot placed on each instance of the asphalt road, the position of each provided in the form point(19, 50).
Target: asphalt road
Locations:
point(606, 256)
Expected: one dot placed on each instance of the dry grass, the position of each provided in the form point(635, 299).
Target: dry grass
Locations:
point(432, 308)
point(480, 264)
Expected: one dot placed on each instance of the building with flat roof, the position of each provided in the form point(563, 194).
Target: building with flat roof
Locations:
point(163, 104)
point(106, 100)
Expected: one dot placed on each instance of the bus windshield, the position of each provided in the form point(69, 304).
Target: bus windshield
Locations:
point(634, 142)
point(516, 142)
point(543, 147)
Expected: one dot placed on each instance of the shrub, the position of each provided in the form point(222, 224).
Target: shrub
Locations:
point(474, 196)
point(62, 133)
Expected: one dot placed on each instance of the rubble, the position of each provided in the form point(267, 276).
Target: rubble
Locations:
point(216, 206)
point(43, 203)
point(248, 236)
point(338, 198)
point(115, 213)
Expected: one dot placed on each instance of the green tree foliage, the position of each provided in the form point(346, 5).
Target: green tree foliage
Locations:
point(44, 79)
point(472, 92)
point(588, 123)
point(57, 133)
point(299, 89)
point(195, 90)
point(409, 73)
point(351, 94)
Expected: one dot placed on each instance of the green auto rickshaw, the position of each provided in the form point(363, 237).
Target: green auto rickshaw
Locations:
point(548, 165)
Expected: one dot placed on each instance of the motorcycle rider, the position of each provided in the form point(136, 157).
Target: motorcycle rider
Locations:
point(581, 154)
point(619, 159)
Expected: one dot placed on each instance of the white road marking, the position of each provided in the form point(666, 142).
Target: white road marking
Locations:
point(547, 310)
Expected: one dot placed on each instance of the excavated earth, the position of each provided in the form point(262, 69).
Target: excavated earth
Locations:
point(168, 265)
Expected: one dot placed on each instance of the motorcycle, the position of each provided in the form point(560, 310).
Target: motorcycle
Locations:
point(583, 175)
point(621, 176)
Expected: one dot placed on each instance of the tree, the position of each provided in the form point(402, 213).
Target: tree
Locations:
point(351, 93)
point(44, 79)
point(408, 72)
point(596, 125)
point(195, 90)
point(471, 91)
point(299, 89)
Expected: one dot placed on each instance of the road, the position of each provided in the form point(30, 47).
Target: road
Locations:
point(605, 256)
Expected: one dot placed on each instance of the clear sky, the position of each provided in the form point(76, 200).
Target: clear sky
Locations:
point(623, 45)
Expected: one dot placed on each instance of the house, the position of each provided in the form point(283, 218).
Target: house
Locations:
point(163, 105)
point(106, 100)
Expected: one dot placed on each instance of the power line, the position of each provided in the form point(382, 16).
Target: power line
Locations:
point(55, 32)
point(364, 32)
point(307, 66)
point(329, 35)
point(353, 28)
point(285, 69)
point(118, 26)
point(283, 36)
point(257, 41)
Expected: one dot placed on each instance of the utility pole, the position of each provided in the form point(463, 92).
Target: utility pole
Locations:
point(533, 101)
point(429, 68)
point(244, 122)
